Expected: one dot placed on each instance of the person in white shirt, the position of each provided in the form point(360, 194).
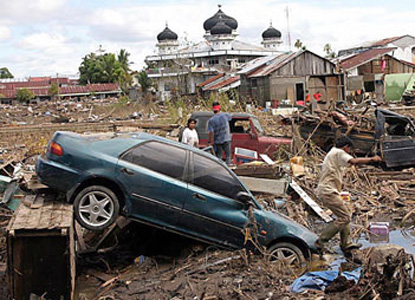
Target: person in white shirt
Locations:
point(328, 190)
point(190, 136)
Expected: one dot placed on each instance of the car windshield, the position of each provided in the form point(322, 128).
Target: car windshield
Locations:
point(258, 127)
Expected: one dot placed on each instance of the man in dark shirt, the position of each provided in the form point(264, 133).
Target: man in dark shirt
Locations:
point(219, 132)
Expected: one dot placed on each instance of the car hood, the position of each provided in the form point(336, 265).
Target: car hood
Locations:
point(278, 225)
point(274, 140)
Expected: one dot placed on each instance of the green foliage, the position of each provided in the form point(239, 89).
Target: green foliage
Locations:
point(24, 95)
point(106, 68)
point(123, 59)
point(5, 73)
point(124, 100)
point(329, 51)
point(144, 81)
point(53, 90)
point(299, 45)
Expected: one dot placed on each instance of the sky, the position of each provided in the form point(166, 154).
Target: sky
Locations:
point(49, 37)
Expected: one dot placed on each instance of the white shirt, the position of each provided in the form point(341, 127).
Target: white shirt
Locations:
point(333, 169)
point(190, 137)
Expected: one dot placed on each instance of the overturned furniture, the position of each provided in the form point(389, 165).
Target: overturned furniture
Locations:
point(41, 252)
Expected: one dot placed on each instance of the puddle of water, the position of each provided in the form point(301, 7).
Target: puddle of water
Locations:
point(404, 237)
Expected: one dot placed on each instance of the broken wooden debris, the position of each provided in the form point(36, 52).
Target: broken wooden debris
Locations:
point(33, 265)
point(317, 209)
point(262, 185)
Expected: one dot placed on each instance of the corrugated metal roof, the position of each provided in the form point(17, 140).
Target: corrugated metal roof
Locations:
point(211, 79)
point(256, 63)
point(364, 57)
point(386, 41)
point(273, 65)
point(225, 82)
point(89, 88)
point(9, 90)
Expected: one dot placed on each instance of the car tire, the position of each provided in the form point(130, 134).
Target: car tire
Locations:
point(96, 207)
point(294, 256)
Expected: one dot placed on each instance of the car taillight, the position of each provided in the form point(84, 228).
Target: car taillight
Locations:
point(56, 149)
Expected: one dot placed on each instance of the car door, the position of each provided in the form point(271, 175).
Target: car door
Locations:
point(152, 175)
point(202, 129)
point(242, 134)
point(211, 211)
point(398, 151)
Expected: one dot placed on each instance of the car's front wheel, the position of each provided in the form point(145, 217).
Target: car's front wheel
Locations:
point(96, 207)
point(287, 254)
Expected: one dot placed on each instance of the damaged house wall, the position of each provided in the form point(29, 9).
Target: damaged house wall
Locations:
point(289, 77)
point(367, 71)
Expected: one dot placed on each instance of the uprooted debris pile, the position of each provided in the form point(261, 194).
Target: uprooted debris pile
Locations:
point(376, 195)
point(387, 274)
point(215, 275)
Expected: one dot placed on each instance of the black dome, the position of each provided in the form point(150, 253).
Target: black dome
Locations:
point(271, 33)
point(167, 34)
point(212, 21)
point(221, 28)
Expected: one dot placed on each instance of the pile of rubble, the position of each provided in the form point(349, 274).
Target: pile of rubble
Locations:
point(206, 273)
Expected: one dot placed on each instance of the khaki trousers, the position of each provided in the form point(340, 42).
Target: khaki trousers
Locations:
point(335, 203)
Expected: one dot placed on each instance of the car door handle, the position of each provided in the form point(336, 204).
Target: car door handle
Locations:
point(127, 171)
point(200, 197)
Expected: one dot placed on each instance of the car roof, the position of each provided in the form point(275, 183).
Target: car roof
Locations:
point(132, 139)
point(210, 114)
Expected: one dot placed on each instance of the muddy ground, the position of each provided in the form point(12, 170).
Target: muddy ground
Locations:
point(149, 264)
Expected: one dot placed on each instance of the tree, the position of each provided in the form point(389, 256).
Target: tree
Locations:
point(106, 68)
point(124, 61)
point(53, 90)
point(5, 73)
point(299, 45)
point(144, 81)
point(88, 69)
point(329, 51)
point(109, 68)
point(24, 95)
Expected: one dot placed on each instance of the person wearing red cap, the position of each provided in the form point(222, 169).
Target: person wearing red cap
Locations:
point(220, 133)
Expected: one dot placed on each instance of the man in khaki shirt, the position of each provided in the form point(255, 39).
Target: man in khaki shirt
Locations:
point(329, 188)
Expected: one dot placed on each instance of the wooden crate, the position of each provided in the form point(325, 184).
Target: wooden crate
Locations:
point(41, 251)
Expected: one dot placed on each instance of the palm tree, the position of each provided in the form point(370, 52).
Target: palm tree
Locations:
point(144, 81)
point(123, 59)
point(329, 51)
point(110, 68)
point(5, 73)
point(298, 44)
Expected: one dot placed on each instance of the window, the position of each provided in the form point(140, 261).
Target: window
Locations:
point(240, 126)
point(159, 157)
point(258, 126)
point(213, 61)
point(254, 82)
point(241, 60)
point(211, 176)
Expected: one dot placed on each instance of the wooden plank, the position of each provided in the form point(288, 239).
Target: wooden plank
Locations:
point(318, 210)
point(262, 185)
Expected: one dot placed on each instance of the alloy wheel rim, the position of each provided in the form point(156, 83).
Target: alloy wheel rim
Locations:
point(285, 255)
point(96, 208)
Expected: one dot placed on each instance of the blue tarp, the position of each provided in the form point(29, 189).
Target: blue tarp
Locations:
point(321, 279)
